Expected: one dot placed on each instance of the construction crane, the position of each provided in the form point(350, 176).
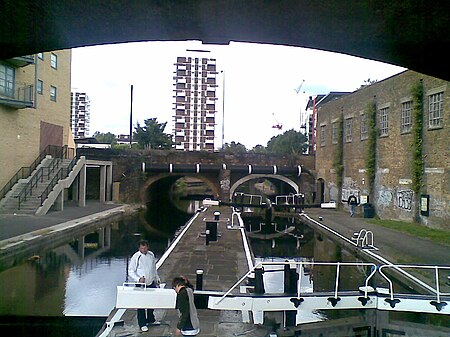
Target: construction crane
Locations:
point(278, 125)
point(297, 91)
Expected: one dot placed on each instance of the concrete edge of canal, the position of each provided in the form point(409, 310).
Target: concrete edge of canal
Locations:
point(18, 248)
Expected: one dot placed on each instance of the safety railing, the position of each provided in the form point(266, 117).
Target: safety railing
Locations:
point(62, 152)
point(333, 300)
point(62, 174)
point(290, 199)
point(45, 171)
point(438, 303)
point(436, 290)
point(364, 238)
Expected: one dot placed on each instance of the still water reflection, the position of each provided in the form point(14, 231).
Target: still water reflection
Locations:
point(80, 277)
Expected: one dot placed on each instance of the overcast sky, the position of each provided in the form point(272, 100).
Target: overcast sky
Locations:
point(259, 84)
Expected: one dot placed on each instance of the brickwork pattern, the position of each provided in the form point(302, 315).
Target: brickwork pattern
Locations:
point(393, 196)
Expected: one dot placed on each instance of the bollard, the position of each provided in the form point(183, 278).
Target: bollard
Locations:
point(199, 279)
point(287, 278)
point(211, 227)
point(290, 287)
point(207, 234)
point(259, 281)
point(216, 215)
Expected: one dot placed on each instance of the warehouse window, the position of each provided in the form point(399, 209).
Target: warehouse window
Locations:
point(384, 125)
point(406, 122)
point(436, 110)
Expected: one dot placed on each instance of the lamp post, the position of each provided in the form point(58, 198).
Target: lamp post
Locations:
point(131, 116)
point(223, 107)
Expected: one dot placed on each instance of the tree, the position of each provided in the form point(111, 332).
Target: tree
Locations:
point(105, 138)
point(290, 142)
point(234, 147)
point(258, 149)
point(152, 136)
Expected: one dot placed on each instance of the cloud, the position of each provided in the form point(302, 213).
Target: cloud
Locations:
point(259, 84)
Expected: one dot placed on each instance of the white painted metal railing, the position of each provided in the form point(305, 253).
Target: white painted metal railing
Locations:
point(300, 264)
point(290, 199)
point(393, 301)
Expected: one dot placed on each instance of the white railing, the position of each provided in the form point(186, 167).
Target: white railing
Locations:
point(300, 264)
point(436, 290)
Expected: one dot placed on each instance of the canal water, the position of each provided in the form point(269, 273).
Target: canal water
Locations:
point(71, 290)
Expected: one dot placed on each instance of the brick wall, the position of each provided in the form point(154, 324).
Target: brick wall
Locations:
point(393, 195)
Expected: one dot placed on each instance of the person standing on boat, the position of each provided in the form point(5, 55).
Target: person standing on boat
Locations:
point(142, 269)
point(352, 202)
point(188, 325)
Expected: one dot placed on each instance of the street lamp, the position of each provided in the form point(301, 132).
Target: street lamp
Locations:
point(223, 107)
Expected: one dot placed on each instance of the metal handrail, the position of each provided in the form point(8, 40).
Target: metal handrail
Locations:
point(364, 236)
point(62, 174)
point(397, 266)
point(338, 265)
point(23, 172)
point(289, 199)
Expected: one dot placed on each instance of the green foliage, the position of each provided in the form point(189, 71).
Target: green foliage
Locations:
point(338, 163)
point(417, 140)
point(290, 142)
point(258, 149)
point(420, 231)
point(234, 147)
point(152, 136)
point(371, 154)
point(105, 138)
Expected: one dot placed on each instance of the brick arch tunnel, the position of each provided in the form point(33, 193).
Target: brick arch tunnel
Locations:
point(160, 184)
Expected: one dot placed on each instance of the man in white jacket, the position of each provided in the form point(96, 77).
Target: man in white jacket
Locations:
point(142, 269)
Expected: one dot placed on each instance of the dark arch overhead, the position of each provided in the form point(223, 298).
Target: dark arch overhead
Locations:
point(410, 33)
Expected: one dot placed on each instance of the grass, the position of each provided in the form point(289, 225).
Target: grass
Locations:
point(436, 235)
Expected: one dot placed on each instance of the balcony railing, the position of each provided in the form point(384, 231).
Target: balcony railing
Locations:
point(21, 61)
point(17, 95)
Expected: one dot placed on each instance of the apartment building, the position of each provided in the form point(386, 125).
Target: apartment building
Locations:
point(34, 108)
point(376, 133)
point(195, 101)
point(80, 114)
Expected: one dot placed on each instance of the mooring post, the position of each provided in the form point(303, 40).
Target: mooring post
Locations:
point(259, 281)
point(290, 316)
point(199, 279)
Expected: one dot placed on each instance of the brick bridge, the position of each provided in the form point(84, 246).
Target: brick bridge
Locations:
point(141, 172)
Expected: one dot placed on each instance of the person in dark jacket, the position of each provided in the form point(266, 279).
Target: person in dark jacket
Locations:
point(188, 324)
point(352, 202)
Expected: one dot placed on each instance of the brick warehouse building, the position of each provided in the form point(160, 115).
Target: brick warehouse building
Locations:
point(380, 165)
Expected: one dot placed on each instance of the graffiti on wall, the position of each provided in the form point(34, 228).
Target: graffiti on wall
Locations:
point(405, 199)
point(349, 187)
point(385, 197)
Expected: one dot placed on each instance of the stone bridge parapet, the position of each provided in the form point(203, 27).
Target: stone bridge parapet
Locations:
point(129, 167)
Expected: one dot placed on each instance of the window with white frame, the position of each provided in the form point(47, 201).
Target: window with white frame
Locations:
point(322, 135)
point(54, 61)
point(406, 122)
point(348, 125)
point(53, 93)
point(334, 133)
point(384, 122)
point(436, 110)
point(364, 127)
point(40, 56)
point(6, 80)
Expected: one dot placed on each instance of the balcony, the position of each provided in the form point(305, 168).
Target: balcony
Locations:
point(21, 61)
point(17, 95)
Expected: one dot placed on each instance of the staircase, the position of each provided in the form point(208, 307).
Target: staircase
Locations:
point(25, 196)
